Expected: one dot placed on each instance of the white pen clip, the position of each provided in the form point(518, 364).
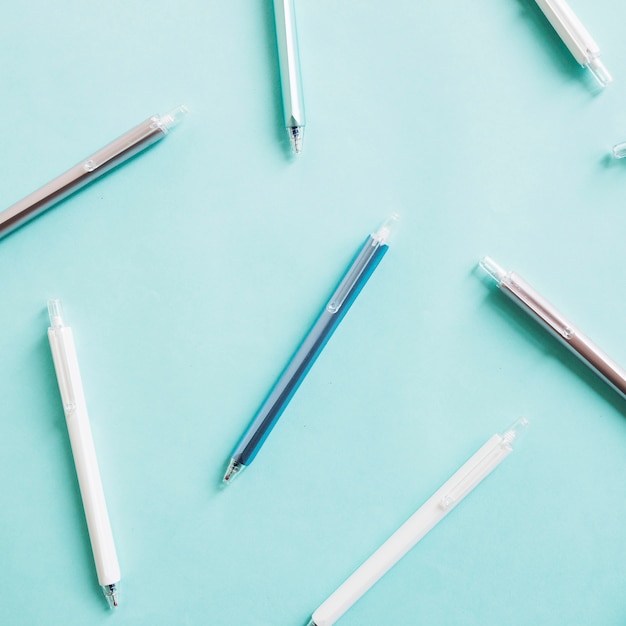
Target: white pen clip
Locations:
point(346, 286)
point(57, 328)
point(498, 447)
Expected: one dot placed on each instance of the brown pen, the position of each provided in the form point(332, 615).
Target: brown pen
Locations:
point(518, 290)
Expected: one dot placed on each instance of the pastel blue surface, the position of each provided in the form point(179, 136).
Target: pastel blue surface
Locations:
point(190, 274)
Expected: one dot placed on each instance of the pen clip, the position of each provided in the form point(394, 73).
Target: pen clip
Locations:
point(496, 449)
point(473, 476)
point(64, 377)
point(154, 127)
point(58, 330)
point(122, 144)
point(540, 307)
point(351, 279)
point(375, 241)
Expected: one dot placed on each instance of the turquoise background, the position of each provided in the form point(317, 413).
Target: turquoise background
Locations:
point(191, 273)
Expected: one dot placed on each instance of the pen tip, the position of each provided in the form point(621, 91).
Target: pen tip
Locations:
point(296, 136)
point(234, 468)
point(111, 593)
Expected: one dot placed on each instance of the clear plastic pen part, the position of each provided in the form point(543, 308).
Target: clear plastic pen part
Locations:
point(619, 150)
point(84, 453)
point(576, 37)
point(113, 154)
point(462, 482)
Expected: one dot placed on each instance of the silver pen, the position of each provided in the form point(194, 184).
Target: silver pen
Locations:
point(290, 76)
point(518, 290)
point(113, 154)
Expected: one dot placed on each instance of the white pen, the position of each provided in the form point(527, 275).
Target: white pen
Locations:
point(90, 168)
point(528, 299)
point(290, 76)
point(478, 467)
point(576, 37)
point(75, 408)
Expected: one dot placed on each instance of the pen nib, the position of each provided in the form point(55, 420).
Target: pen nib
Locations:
point(234, 468)
point(111, 593)
point(296, 136)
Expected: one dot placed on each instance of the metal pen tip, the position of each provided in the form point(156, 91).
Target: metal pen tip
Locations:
point(296, 137)
point(112, 594)
point(234, 468)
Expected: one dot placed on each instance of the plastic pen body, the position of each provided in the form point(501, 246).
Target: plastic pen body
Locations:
point(84, 453)
point(528, 299)
point(478, 467)
point(290, 75)
point(292, 376)
point(576, 37)
point(94, 166)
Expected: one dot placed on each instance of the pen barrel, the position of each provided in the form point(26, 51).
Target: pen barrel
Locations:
point(289, 62)
point(84, 453)
point(362, 267)
point(570, 29)
point(527, 298)
point(94, 166)
point(468, 476)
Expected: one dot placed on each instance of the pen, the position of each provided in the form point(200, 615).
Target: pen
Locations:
point(576, 37)
point(525, 296)
point(113, 154)
point(469, 476)
point(71, 388)
point(354, 279)
point(290, 78)
point(619, 150)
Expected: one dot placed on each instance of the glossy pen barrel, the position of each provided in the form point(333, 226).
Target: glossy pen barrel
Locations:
point(462, 482)
point(84, 453)
point(289, 62)
point(527, 298)
point(364, 264)
point(94, 166)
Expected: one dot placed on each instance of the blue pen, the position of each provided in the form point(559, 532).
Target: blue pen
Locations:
point(351, 284)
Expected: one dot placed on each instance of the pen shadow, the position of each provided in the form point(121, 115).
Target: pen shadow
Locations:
point(271, 49)
point(553, 348)
point(557, 52)
point(216, 484)
point(609, 162)
point(67, 470)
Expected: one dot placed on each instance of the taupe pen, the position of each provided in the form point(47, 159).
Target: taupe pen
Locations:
point(518, 290)
point(116, 152)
